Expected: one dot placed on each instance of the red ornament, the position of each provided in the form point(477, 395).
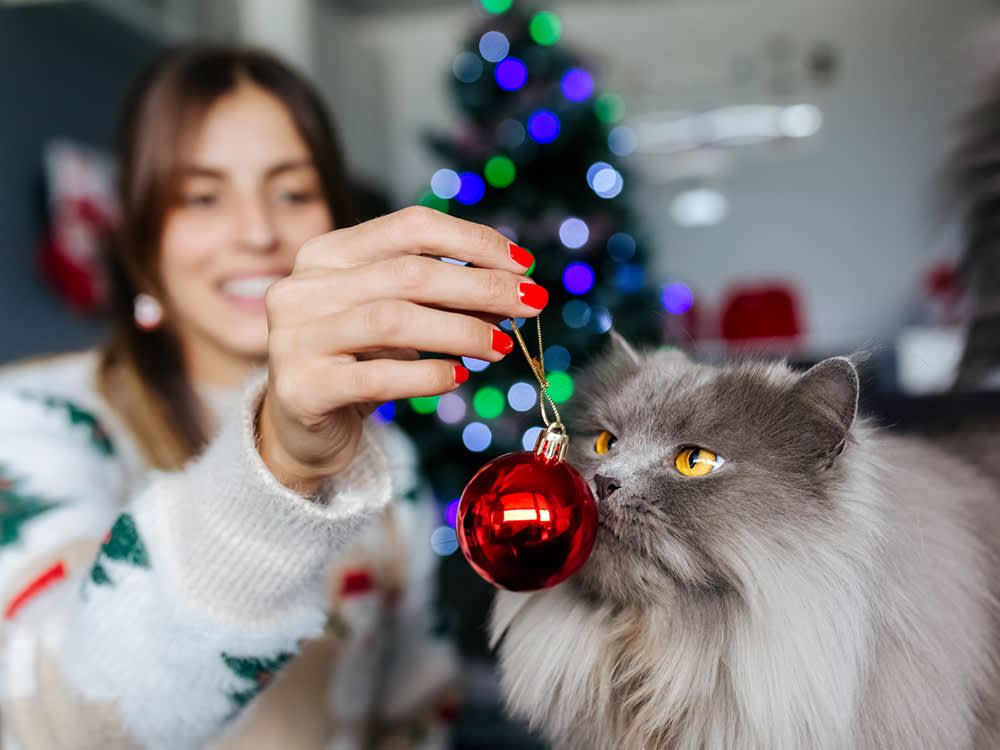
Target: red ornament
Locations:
point(527, 521)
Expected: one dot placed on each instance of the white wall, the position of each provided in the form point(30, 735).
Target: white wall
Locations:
point(847, 217)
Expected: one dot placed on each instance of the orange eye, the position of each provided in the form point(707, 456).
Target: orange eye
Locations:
point(697, 462)
point(605, 442)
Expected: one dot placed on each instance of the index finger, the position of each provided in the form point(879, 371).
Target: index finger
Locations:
point(415, 230)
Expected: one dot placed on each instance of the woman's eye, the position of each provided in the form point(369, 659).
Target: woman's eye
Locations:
point(199, 200)
point(697, 462)
point(296, 197)
point(605, 442)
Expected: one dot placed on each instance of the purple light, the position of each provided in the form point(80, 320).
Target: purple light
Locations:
point(510, 74)
point(472, 190)
point(677, 298)
point(386, 412)
point(577, 85)
point(543, 126)
point(578, 278)
point(451, 513)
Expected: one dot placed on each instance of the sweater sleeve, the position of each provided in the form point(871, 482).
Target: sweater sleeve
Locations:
point(150, 620)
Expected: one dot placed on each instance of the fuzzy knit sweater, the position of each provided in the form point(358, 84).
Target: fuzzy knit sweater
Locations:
point(209, 607)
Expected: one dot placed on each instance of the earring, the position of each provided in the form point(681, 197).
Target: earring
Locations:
point(148, 313)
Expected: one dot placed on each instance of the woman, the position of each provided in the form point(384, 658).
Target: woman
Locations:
point(281, 537)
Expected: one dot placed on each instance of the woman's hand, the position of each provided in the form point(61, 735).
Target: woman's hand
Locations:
point(345, 326)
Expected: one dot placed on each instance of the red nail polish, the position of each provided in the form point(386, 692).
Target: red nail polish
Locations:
point(502, 342)
point(461, 374)
point(533, 295)
point(521, 256)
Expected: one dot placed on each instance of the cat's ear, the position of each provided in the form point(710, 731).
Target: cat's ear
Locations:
point(831, 390)
point(623, 352)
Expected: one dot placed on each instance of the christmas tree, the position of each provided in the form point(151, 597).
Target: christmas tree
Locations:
point(18, 507)
point(536, 154)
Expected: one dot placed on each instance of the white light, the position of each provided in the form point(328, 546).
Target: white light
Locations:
point(493, 46)
point(608, 183)
point(451, 408)
point(701, 207)
point(800, 121)
point(521, 396)
point(477, 437)
point(530, 437)
point(444, 541)
point(601, 320)
point(574, 233)
point(622, 140)
point(526, 514)
point(446, 183)
point(475, 365)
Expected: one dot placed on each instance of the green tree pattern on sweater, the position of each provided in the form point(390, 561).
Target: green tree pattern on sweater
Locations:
point(258, 671)
point(122, 544)
point(78, 416)
point(18, 507)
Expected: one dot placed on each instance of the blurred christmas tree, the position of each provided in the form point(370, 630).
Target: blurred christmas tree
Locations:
point(536, 155)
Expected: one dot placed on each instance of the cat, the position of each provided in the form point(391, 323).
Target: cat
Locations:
point(770, 573)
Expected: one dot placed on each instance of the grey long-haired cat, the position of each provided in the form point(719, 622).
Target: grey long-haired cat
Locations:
point(769, 574)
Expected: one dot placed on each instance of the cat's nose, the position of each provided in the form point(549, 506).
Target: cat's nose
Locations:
point(605, 486)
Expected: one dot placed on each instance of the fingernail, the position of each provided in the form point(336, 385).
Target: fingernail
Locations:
point(502, 342)
point(461, 374)
point(533, 295)
point(520, 256)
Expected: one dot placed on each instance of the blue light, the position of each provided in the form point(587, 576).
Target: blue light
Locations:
point(386, 412)
point(600, 320)
point(511, 133)
point(578, 278)
point(446, 183)
point(593, 170)
point(608, 183)
point(574, 233)
point(477, 437)
point(543, 126)
point(622, 140)
point(677, 298)
point(451, 512)
point(472, 188)
point(629, 278)
point(510, 74)
point(475, 365)
point(530, 437)
point(557, 358)
point(467, 67)
point(577, 85)
point(522, 396)
point(621, 246)
point(576, 313)
point(505, 323)
point(444, 541)
point(493, 46)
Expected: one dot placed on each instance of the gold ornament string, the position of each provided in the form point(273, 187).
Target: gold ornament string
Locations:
point(537, 365)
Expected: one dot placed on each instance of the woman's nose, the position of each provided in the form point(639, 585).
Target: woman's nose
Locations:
point(256, 226)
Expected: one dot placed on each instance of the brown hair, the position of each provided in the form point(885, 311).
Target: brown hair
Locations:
point(142, 373)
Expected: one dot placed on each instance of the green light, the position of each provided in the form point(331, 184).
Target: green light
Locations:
point(425, 404)
point(497, 6)
point(500, 171)
point(560, 386)
point(609, 108)
point(532, 269)
point(488, 402)
point(545, 28)
point(432, 201)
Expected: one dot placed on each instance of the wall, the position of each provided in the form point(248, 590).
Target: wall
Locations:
point(64, 69)
point(846, 218)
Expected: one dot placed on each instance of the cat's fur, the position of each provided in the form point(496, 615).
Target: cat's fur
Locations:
point(830, 587)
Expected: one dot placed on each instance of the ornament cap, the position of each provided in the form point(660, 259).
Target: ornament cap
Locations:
point(552, 443)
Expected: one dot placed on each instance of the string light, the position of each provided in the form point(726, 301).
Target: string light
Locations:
point(432, 201)
point(500, 171)
point(522, 396)
point(621, 246)
point(475, 365)
point(600, 320)
point(576, 313)
point(607, 183)
point(560, 387)
point(577, 84)
point(557, 358)
point(467, 67)
point(629, 278)
point(511, 133)
point(574, 233)
point(510, 74)
point(386, 412)
point(424, 404)
point(472, 189)
point(677, 298)
point(578, 278)
point(488, 402)
point(609, 108)
point(545, 28)
point(543, 126)
point(496, 6)
point(445, 183)
point(451, 408)
point(493, 46)
point(622, 140)
point(477, 437)
point(530, 437)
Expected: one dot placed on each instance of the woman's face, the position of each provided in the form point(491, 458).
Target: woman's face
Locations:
point(249, 198)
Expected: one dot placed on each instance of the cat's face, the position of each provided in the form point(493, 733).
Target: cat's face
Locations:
point(698, 471)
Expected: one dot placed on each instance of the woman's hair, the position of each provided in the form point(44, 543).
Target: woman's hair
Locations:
point(142, 373)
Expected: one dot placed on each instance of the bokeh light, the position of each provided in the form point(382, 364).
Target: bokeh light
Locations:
point(467, 67)
point(444, 541)
point(577, 84)
point(622, 140)
point(576, 313)
point(557, 357)
point(505, 323)
point(472, 189)
point(424, 404)
point(800, 120)
point(432, 201)
point(530, 437)
point(446, 183)
point(629, 278)
point(621, 246)
point(500, 171)
point(545, 28)
point(677, 298)
point(451, 512)
point(477, 437)
point(578, 278)
point(488, 402)
point(574, 233)
point(475, 365)
point(522, 396)
point(496, 6)
point(594, 169)
point(560, 387)
point(543, 126)
point(608, 182)
point(451, 408)
point(493, 46)
point(386, 412)
point(600, 319)
point(510, 74)
point(700, 207)
point(609, 108)
point(511, 133)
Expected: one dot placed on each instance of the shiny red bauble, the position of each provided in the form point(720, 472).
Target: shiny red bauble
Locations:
point(526, 522)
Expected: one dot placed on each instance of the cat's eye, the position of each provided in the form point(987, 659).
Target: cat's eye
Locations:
point(697, 462)
point(605, 442)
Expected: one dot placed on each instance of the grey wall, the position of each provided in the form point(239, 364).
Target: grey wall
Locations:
point(64, 71)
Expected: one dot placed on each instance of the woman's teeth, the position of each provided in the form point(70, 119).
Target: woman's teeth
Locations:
point(253, 287)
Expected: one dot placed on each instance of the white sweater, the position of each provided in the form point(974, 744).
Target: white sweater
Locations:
point(151, 610)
